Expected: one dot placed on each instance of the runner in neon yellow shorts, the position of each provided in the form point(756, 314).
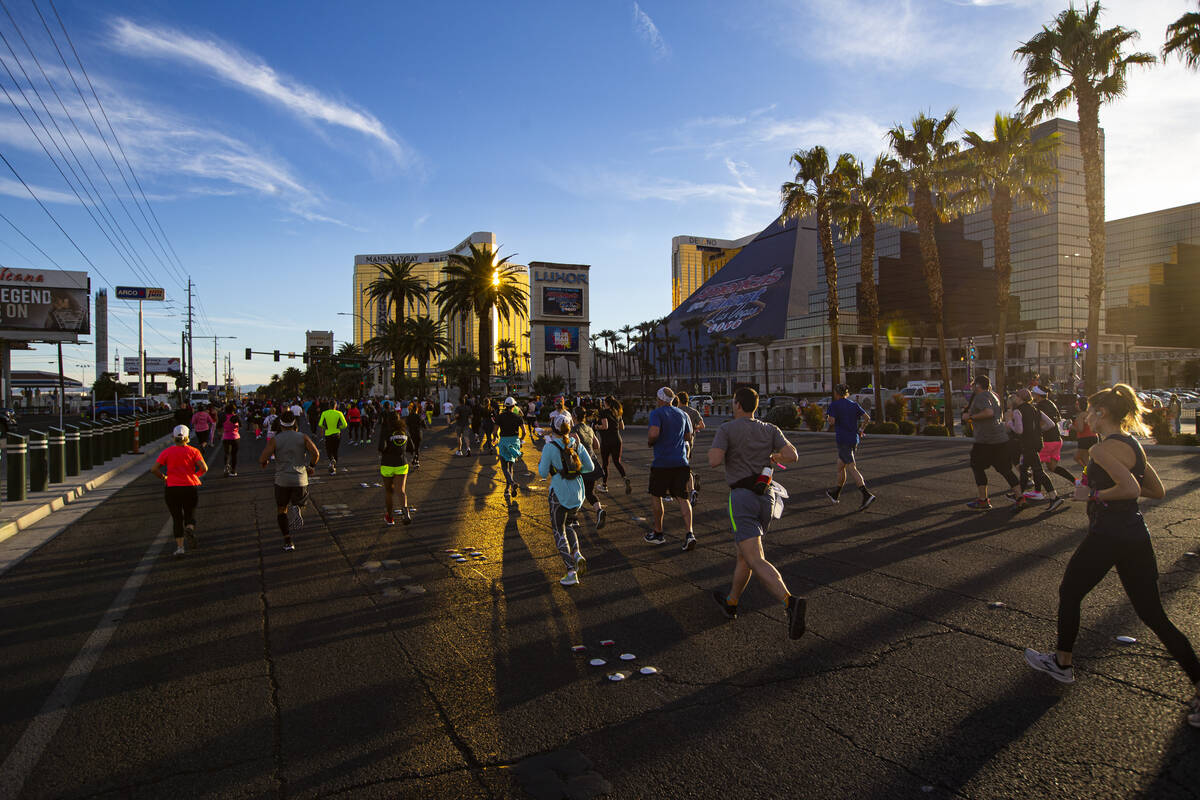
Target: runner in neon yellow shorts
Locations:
point(393, 466)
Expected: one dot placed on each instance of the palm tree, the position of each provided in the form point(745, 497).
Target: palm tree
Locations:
point(926, 155)
point(1183, 39)
point(292, 380)
point(764, 342)
point(390, 341)
point(595, 339)
point(460, 370)
point(608, 337)
point(626, 330)
point(506, 348)
point(478, 283)
point(861, 203)
point(1073, 49)
point(692, 326)
point(1009, 168)
point(810, 193)
point(424, 340)
point(396, 286)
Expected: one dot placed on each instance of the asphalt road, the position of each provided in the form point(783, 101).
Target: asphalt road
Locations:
point(367, 664)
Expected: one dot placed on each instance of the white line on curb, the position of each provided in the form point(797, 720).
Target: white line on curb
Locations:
point(19, 764)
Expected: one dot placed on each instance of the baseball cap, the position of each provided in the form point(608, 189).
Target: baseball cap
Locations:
point(665, 394)
point(181, 432)
point(508, 401)
point(287, 419)
point(1039, 391)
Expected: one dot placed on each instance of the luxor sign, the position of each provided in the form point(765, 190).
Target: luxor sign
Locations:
point(554, 276)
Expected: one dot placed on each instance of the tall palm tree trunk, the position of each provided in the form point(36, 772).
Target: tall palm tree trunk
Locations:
point(485, 351)
point(871, 299)
point(1093, 183)
point(831, 283)
point(1001, 214)
point(933, 281)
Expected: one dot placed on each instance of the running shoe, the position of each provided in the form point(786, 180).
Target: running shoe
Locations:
point(189, 536)
point(389, 520)
point(601, 513)
point(654, 537)
point(628, 487)
point(295, 518)
point(729, 611)
point(233, 474)
point(603, 488)
point(867, 501)
point(693, 496)
point(1055, 504)
point(796, 609)
point(1193, 717)
point(668, 499)
point(179, 551)
point(581, 565)
point(834, 497)
point(332, 468)
point(1020, 503)
point(507, 495)
point(288, 546)
point(980, 505)
point(226, 470)
point(689, 542)
point(1034, 496)
point(570, 579)
point(1047, 663)
point(406, 517)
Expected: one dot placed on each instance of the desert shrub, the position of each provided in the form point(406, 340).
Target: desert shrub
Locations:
point(1189, 439)
point(907, 428)
point(872, 427)
point(814, 416)
point(888, 428)
point(784, 416)
point(895, 409)
point(935, 430)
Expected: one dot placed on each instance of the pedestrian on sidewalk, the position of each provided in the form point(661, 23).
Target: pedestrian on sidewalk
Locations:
point(670, 434)
point(991, 442)
point(511, 426)
point(848, 419)
point(563, 461)
point(1118, 474)
point(749, 449)
point(393, 464)
point(184, 467)
point(231, 434)
point(295, 456)
point(332, 422)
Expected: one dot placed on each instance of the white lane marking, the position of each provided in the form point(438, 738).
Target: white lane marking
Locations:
point(19, 764)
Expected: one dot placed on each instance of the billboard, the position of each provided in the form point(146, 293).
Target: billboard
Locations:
point(562, 302)
point(154, 366)
point(139, 293)
point(37, 300)
point(562, 339)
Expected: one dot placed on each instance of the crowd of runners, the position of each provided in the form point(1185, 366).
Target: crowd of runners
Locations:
point(581, 442)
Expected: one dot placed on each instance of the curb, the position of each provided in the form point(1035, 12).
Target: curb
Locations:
point(67, 496)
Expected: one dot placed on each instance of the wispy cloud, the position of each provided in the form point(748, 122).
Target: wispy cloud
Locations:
point(420, 221)
point(14, 188)
point(648, 31)
point(255, 77)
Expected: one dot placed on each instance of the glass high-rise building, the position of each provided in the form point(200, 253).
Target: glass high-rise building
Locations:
point(695, 259)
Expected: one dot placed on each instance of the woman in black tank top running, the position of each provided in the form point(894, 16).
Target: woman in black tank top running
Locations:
point(1116, 476)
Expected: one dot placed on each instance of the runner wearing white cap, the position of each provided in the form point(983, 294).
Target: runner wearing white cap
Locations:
point(511, 427)
point(670, 434)
point(184, 466)
point(295, 457)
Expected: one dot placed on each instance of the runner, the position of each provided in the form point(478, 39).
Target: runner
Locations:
point(558, 412)
point(749, 448)
point(563, 462)
point(512, 432)
point(670, 434)
point(462, 422)
point(684, 404)
point(332, 422)
point(1085, 437)
point(1029, 424)
point(448, 413)
point(295, 456)
point(185, 464)
point(488, 425)
point(1117, 475)
point(588, 441)
point(354, 424)
point(271, 423)
point(477, 411)
point(393, 464)
point(413, 425)
point(231, 433)
point(1051, 452)
point(610, 424)
point(991, 442)
point(202, 422)
point(848, 419)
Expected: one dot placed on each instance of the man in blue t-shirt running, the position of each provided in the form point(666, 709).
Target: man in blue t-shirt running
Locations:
point(848, 419)
point(670, 433)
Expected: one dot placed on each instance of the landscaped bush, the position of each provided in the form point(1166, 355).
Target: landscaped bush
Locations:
point(935, 430)
point(896, 409)
point(814, 416)
point(1160, 426)
point(907, 428)
point(888, 428)
point(872, 427)
point(1189, 439)
point(783, 416)
point(640, 419)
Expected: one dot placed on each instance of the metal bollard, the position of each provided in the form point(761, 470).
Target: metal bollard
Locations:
point(17, 449)
point(39, 472)
point(85, 446)
point(101, 435)
point(72, 450)
point(57, 460)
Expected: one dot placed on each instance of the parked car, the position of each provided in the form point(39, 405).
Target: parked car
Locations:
point(699, 401)
point(8, 420)
point(106, 408)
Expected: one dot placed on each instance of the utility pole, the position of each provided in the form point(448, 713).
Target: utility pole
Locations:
point(216, 360)
point(191, 384)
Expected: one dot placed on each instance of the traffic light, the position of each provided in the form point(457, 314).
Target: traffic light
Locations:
point(276, 354)
point(304, 357)
point(247, 353)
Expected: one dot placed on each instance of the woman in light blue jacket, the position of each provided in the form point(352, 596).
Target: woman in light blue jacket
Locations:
point(564, 461)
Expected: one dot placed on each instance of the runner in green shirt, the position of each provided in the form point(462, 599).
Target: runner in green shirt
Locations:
point(332, 422)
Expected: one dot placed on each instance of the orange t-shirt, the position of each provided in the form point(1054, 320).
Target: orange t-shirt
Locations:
point(181, 461)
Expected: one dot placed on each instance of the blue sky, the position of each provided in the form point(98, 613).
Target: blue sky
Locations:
point(276, 140)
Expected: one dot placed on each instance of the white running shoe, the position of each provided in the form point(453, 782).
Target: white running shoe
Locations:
point(1034, 496)
point(570, 579)
point(1047, 663)
point(179, 551)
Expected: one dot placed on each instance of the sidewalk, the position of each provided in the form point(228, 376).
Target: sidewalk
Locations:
point(18, 516)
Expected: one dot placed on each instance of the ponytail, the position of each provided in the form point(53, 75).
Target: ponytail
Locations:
point(1121, 403)
point(614, 404)
point(572, 465)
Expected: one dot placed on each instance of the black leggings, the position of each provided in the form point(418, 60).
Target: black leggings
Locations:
point(984, 455)
point(181, 502)
point(231, 451)
point(414, 444)
point(331, 446)
point(1031, 461)
point(1138, 570)
point(610, 448)
point(589, 487)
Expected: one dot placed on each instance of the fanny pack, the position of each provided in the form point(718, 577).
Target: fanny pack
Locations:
point(745, 483)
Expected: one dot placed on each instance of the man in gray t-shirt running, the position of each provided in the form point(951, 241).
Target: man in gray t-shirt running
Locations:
point(746, 447)
point(991, 442)
point(295, 457)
